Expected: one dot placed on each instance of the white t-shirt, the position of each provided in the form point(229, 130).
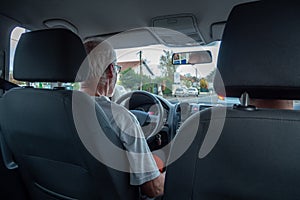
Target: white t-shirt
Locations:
point(125, 124)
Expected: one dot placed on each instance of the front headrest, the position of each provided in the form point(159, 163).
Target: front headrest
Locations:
point(260, 51)
point(50, 55)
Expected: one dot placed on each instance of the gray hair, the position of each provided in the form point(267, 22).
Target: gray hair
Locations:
point(100, 55)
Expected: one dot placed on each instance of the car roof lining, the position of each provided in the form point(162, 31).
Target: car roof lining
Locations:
point(93, 16)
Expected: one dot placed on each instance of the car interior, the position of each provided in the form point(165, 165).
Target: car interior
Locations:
point(58, 143)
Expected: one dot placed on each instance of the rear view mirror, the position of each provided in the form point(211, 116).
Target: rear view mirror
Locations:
point(192, 58)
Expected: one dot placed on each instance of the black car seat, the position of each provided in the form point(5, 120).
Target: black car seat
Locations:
point(40, 129)
point(11, 185)
point(244, 152)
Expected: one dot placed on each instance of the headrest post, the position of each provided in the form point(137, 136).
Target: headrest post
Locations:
point(245, 100)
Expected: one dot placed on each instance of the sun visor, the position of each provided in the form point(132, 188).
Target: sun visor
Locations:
point(216, 30)
point(183, 23)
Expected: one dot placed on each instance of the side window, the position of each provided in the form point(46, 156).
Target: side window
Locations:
point(14, 39)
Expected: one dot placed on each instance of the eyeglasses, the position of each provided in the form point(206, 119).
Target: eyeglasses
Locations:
point(117, 68)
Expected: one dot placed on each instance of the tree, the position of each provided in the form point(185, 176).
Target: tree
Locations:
point(130, 79)
point(203, 85)
point(166, 65)
point(187, 83)
point(165, 83)
point(210, 77)
point(167, 69)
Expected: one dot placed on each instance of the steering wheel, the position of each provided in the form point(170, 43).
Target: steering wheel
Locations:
point(151, 123)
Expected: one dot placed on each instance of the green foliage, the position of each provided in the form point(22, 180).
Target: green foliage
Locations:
point(166, 66)
point(166, 84)
point(194, 79)
point(203, 85)
point(167, 91)
point(130, 79)
point(76, 86)
point(210, 77)
point(187, 83)
point(150, 87)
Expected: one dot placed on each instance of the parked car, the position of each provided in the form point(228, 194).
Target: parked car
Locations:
point(192, 91)
point(180, 92)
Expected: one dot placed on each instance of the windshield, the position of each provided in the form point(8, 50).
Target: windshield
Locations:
point(150, 68)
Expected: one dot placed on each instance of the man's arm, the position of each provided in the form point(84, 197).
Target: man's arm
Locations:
point(154, 187)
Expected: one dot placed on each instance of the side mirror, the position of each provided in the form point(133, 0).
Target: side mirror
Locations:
point(192, 58)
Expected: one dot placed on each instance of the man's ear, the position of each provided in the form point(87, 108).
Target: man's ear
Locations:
point(111, 70)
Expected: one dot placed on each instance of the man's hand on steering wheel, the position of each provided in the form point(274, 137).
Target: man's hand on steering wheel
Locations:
point(151, 123)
